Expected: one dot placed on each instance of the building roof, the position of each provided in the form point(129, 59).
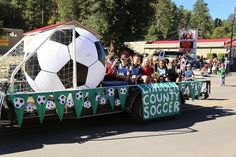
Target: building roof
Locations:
point(227, 43)
point(199, 41)
point(75, 23)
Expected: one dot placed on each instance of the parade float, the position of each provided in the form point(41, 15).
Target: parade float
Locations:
point(59, 71)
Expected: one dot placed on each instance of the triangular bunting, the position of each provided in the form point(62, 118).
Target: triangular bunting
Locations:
point(111, 96)
point(192, 90)
point(183, 86)
point(40, 100)
point(92, 98)
point(19, 101)
point(198, 87)
point(60, 101)
point(78, 97)
point(123, 93)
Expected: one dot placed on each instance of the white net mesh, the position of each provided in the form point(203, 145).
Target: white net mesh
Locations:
point(9, 61)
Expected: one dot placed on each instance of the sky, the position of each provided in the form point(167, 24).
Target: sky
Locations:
point(217, 8)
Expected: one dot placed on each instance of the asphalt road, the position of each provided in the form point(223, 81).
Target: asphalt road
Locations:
point(207, 128)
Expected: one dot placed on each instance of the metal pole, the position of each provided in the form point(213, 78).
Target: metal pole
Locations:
point(74, 59)
point(231, 38)
point(42, 18)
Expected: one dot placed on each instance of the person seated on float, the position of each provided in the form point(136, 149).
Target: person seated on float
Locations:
point(188, 74)
point(147, 70)
point(110, 68)
point(123, 69)
point(155, 63)
point(136, 70)
point(162, 71)
point(172, 70)
point(204, 71)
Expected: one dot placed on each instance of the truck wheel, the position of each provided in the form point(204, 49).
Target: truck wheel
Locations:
point(206, 95)
point(182, 98)
point(137, 110)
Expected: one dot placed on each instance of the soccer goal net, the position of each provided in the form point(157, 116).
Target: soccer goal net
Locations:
point(41, 60)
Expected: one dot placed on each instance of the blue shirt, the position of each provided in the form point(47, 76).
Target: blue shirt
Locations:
point(161, 71)
point(188, 73)
point(122, 70)
point(135, 71)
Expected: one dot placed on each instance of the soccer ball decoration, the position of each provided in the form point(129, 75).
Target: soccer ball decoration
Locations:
point(111, 92)
point(123, 90)
point(182, 86)
point(192, 85)
point(62, 99)
point(69, 103)
point(103, 100)
point(19, 102)
point(79, 95)
point(41, 100)
point(87, 104)
point(51, 67)
point(50, 105)
point(29, 108)
point(98, 96)
point(117, 102)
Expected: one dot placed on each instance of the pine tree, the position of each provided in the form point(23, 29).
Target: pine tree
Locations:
point(166, 20)
point(37, 13)
point(201, 19)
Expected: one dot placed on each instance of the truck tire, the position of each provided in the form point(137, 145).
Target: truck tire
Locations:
point(137, 110)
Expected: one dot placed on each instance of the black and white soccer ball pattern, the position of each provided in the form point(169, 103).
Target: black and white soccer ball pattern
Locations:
point(123, 90)
point(41, 100)
point(19, 102)
point(79, 95)
point(30, 108)
point(62, 99)
point(47, 69)
point(110, 91)
point(117, 102)
point(50, 105)
point(87, 104)
point(103, 100)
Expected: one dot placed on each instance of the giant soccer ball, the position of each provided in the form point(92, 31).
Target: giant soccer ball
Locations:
point(51, 66)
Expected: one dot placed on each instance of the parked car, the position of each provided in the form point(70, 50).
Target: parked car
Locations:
point(171, 55)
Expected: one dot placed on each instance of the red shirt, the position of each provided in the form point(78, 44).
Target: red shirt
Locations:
point(109, 69)
point(147, 70)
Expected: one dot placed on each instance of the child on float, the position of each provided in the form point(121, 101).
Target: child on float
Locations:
point(147, 70)
point(136, 70)
point(188, 74)
point(155, 63)
point(110, 68)
point(162, 71)
point(123, 69)
point(172, 70)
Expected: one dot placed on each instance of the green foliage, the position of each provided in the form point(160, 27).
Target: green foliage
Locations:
point(117, 21)
point(210, 55)
point(37, 13)
point(184, 17)
point(201, 19)
point(217, 23)
point(220, 55)
point(166, 19)
point(220, 32)
point(11, 14)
